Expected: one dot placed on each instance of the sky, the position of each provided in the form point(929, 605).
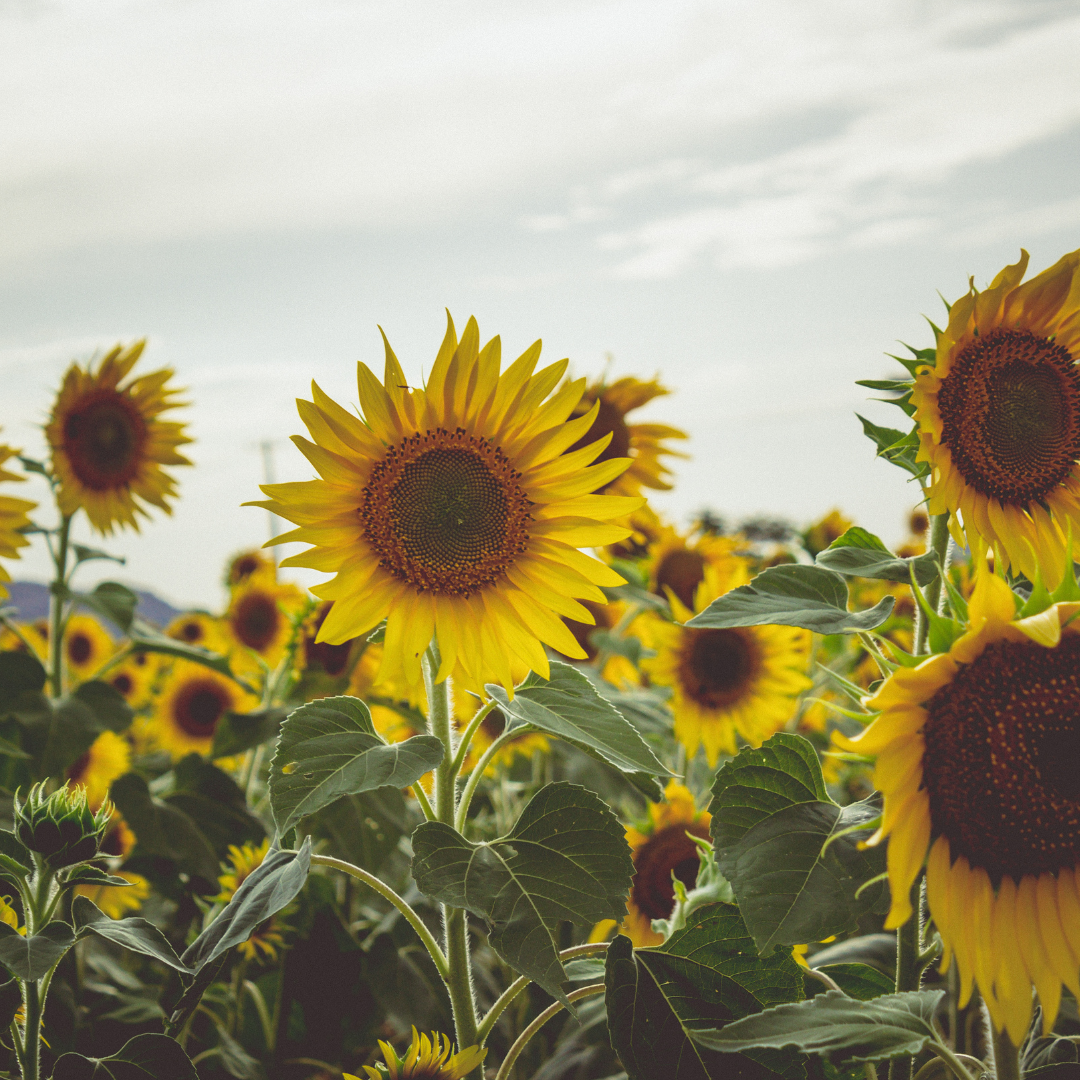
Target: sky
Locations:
point(756, 200)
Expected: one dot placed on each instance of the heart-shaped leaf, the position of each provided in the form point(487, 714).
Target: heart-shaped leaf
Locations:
point(31, 957)
point(146, 1057)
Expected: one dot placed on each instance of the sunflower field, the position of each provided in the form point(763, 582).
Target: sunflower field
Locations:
point(535, 784)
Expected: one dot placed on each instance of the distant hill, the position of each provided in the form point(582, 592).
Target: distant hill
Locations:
point(32, 600)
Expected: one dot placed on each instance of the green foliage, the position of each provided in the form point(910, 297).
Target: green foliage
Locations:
point(134, 934)
point(792, 595)
point(329, 748)
point(898, 447)
point(704, 976)
point(859, 553)
point(111, 600)
point(32, 956)
point(237, 732)
point(215, 803)
point(566, 859)
point(60, 827)
point(856, 980)
point(153, 1057)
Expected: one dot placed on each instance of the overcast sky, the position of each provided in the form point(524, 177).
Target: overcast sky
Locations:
point(754, 199)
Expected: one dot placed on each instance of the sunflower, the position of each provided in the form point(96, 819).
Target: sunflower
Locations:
point(87, 645)
point(108, 443)
point(13, 517)
point(426, 1059)
point(260, 617)
point(250, 566)
point(321, 655)
point(453, 512)
point(999, 416)
point(116, 901)
point(741, 682)
point(642, 443)
point(367, 681)
point(193, 700)
point(679, 564)
point(200, 629)
point(108, 758)
point(976, 757)
point(268, 936)
point(133, 679)
point(9, 916)
point(618, 670)
point(825, 530)
point(660, 847)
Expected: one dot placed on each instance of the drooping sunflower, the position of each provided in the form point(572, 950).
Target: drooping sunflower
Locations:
point(426, 1059)
point(999, 417)
point(192, 702)
point(109, 444)
point(108, 758)
point(642, 443)
point(743, 682)
point(976, 757)
point(13, 517)
point(260, 617)
point(453, 512)
point(201, 629)
point(249, 566)
point(87, 645)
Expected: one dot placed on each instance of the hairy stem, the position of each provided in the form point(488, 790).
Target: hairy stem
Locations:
point(468, 733)
point(1006, 1056)
point(908, 973)
point(477, 775)
point(57, 591)
point(939, 545)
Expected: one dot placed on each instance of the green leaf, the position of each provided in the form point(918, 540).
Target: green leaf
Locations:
point(778, 841)
point(31, 957)
point(856, 980)
point(61, 735)
point(88, 874)
point(329, 748)
point(272, 885)
point(107, 704)
point(30, 465)
point(704, 976)
point(134, 934)
point(238, 732)
point(873, 950)
point(215, 803)
point(859, 553)
point(566, 859)
point(792, 595)
point(112, 601)
point(365, 829)
point(145, 639)
point(898, 447)
point(568, 706)
point(146, 1057)
point(235, 1060)
point(833, 1023)
point(22, 678)
point(88, 554)
point(15, 858)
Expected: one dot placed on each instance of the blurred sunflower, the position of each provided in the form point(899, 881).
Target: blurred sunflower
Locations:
point(660, 848)
point(13, 517)
point(108, 443)
point(87, 645)
point(200, 629)
point(453, 512)
point(367, 681)
point(618, 670)
point(108, 758)
point(976, 757)
point(268, 936)
point(999, 417)
point(742, 682)
point(117, 901)
point(192, 702)
point(132, 679)
point(250, 566)
point(825, 530)
point(426, 1059)
point(491, 727)
point(321, 655)
point(9, 916)
point(678, 563)
point(260, 617)
point(642, 443)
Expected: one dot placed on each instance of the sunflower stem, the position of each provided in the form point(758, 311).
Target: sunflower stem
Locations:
point(908, 972)
point(939, 545)
point(478, 771)
point(438, 695)
point(468, 733)
point(57, 593)
point(1006, 1056)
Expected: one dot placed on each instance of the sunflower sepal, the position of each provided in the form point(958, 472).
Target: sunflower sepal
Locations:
point(942, 630)
point(711, 887)
point(897, 447)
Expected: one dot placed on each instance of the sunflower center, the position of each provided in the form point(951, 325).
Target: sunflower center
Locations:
point(669, 850)
point(79, 648)
point(1002, 741)
point(104, 440)
point(191, 632)
point(198, 708)
point(681, 571)
point(256, 620)
point(445, 512)
point(717, 666)
point(123, 683)
point(1010, 412)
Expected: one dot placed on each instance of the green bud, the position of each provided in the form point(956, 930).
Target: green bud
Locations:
point(60, 827)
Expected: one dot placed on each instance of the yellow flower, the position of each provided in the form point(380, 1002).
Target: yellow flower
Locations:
point(108, 758)
point(200, 629)
point(133, 678)
point(267, 937)
point(192, 702)
point(109, 443)
point(618, 670)
point(678, 565)
point(116, 901)
point(13, 517)
point(250, 566)
point(87, 645)
point(426, 1059)
point(976, 758)
point(10, 916)
point(999, 417)
point(260, 617)
point(824, 531)
point(741, 682)
point(642, 443)
point(453, 512)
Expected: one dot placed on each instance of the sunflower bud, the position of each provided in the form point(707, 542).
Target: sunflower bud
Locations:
point(61, 827)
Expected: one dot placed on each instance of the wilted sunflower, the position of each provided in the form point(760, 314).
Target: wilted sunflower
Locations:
point(87, 645)
point(453, 512)
point(976, 757)
point(109, 443)
point(108, 758)
point(999, 416)
point(426, 1059)
point(192, 702)
point(249, 566)
point(642, 443)
point(13, 517)
point(200, 629)
point(260, 617)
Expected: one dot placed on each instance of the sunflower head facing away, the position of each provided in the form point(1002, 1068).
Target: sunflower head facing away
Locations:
point(109, 443)
point(426, 1059)
point(999, 416)
point(976, 757)
point(193, 701)
point(454, 511)
point(13, 517)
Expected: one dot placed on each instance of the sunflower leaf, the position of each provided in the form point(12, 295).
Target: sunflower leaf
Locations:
point(151, 1056)
point(835, 1024)
point(856, 980)
point(112, 601)
point(238, 732)
point(134, 934)
point(781, 842)
point(792, 595)
point(859, 553)
point(704, 976)
point(145, 639)
point(897, 447)
point(566, 859)
point(31, 957)
point(329, 748)
point(568, 706)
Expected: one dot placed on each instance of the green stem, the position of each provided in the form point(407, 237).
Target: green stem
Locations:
point(264, 1013)
point(469, 732)
point(1006, 1056)
point(478, 772)
point(523, 1039)
point(459, 976)
point(908, 974)
point(939, 545)
point(438, 695)
point(399, 902)
point(31, 1063)
point(422, 799)
point(57, 592)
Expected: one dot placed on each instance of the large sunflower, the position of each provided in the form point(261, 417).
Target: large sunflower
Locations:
point(13, 517)
point(453, 512)
point(426, 1059)
point(742, 682)
point(642, 443)
point(192, 703)
point(976, 757)
point(999, 416)
point(109, 443)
